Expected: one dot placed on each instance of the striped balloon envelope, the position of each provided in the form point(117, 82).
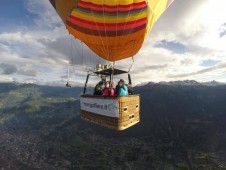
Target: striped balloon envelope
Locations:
point(113, 29)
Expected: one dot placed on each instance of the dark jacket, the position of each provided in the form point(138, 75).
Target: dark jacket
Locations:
point(117, 89)
point(130, 89)
point(98, 90)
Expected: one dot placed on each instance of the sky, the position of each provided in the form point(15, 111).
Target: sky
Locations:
point(188, 42)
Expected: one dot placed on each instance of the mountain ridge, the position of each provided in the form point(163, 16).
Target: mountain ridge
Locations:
point(176, 83)
point(185, 83)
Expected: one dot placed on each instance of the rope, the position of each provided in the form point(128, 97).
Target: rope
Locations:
point(113, 70)
point(132, 29)
point(129, 20)
point(105, 31)
point(104, 50)
point(131, 65)
point(134, 23)
point(116, 42)
point(68, 74)
point(82, 56)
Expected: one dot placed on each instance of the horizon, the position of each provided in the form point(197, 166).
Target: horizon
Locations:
point(189, 82)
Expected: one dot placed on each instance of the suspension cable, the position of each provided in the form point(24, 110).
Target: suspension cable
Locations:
point(113, 71)
point(131, 65)
point(106, 36)
point(140, 11)
point(104, 49)
point(116, 41)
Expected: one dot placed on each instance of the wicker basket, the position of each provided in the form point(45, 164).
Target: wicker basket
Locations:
point(128, 112)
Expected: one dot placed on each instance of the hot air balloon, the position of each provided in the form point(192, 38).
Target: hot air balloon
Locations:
point(114, 30)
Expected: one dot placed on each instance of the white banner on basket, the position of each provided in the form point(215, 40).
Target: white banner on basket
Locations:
point(106, 107)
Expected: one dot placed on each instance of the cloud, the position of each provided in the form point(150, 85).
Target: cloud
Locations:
point(46, 16)
point(156, 67)
point(149, 68)
point(187, 62)
point(222, 30)
point(203, 71)
point(188, 38)
point(7, 69)
point(193, 27)
point(209, 62)
point(41, 48)
point(29, 72)
point(6, 78)
point(173, 46)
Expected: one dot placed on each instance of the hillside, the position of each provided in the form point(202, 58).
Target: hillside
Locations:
point(182, 127)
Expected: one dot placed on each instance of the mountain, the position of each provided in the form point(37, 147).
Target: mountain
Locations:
point(213, 83)
point(181, 127)
point(185, 83)
point(181, 83)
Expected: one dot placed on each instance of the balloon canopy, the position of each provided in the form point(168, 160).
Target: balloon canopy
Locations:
point(113, 29)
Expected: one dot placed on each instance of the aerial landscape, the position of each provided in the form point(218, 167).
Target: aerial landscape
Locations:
point(120, 84)
point(182, 127)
